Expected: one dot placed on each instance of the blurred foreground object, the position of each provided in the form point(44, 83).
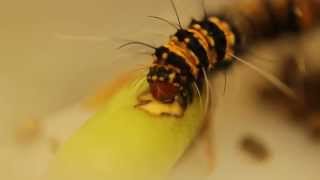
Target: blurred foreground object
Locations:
point(306, 85)
point(28, 131)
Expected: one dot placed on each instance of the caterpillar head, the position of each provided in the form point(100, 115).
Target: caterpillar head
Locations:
point(168, 92)
point(164, 84)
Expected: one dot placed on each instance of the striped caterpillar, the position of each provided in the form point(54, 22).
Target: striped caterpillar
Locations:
point(191, 53)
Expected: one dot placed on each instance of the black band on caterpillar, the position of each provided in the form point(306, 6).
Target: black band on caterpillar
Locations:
point(218, 36)
point(195, 46)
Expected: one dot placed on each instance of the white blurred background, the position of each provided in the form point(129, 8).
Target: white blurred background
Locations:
point(53, 54)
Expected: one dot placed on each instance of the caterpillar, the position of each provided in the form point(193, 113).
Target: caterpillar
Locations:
point(215, 41)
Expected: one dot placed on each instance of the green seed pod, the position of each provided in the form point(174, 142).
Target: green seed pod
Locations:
point(122, 142)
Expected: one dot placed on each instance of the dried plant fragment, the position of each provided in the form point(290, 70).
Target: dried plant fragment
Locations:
point(255, 148)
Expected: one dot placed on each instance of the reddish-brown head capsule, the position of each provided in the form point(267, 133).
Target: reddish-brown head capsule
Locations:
point(164, 91)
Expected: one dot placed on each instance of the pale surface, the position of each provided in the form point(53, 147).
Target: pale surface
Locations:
point(55, 53)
